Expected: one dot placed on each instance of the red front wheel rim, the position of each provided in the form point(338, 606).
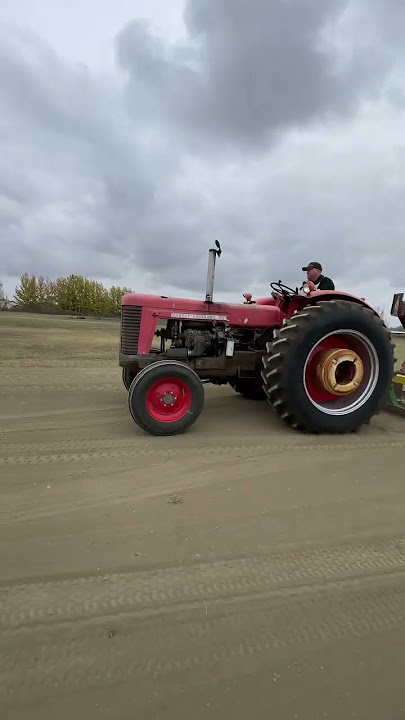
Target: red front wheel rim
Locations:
point(168, 400)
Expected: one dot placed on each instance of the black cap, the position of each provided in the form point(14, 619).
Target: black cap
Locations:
point(315, 265)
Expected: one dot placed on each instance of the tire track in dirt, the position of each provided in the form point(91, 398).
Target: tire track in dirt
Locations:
point(156, 475)
point(9, 389)
point(59, 412)
point(156, 446)
point(246, 450)
point(22, 605)
point(75, 656)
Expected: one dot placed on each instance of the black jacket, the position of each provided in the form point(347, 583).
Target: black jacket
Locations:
point(324, 283)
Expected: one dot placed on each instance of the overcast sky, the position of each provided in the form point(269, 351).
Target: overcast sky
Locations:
point(135, 132)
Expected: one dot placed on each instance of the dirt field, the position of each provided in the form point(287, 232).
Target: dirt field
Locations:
point(241, 570)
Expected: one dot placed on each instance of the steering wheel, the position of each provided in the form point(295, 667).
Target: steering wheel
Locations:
point(281, 289)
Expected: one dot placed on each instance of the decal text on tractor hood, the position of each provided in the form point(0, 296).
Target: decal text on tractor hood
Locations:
point(196, 316)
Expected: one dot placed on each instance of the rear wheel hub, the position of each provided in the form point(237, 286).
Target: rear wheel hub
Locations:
point(340, 371)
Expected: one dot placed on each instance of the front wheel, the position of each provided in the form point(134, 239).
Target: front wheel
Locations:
point(329, 368)
point(166, 398)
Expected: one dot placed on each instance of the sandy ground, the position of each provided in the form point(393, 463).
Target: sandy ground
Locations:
point(240, 570)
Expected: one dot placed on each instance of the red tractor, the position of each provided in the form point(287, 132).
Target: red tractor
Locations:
point(324, 360)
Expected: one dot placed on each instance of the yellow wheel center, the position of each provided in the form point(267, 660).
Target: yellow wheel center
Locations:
point(340, 371)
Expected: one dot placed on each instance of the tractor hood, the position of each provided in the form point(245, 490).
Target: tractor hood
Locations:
point(246, 314)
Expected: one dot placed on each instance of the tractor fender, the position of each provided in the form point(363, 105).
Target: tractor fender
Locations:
point(321, 295)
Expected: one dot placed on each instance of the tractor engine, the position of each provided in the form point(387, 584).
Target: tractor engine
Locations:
point(194, 339)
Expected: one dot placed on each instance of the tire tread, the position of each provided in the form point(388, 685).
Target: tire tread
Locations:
point(274, 383)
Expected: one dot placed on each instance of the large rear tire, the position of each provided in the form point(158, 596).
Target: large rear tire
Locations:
point(166, 398)
point(329, 368)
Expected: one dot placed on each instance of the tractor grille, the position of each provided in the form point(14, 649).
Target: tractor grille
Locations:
point(130, 328)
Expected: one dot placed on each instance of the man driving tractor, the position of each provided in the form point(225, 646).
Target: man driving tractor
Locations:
point(314, 275)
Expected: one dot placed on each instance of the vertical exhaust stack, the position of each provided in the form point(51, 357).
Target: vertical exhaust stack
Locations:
point(212, 257)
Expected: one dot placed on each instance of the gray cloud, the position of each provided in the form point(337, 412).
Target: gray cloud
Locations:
point(252, 70)
point(275, 127)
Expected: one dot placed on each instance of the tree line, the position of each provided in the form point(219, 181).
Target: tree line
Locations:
point(73, 294)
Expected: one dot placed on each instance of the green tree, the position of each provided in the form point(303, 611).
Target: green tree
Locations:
point(44, 294)
point(26, 293)
point(115, 295)
point(73, 294)
point(101, 299)
point(3, 298)
point(76, 295)
point(60, 294)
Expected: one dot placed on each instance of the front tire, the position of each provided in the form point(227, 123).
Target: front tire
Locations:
point(166, 398)
point(333, 336)
point(127, 377)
